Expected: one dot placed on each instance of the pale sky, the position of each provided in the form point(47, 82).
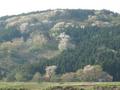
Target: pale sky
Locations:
point(10, 7)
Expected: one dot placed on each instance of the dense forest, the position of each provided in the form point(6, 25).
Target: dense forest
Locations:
point(66, 39)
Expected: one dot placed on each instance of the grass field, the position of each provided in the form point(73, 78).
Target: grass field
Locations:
point(47, 85)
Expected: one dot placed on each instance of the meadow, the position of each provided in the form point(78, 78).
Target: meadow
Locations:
point(60, 86)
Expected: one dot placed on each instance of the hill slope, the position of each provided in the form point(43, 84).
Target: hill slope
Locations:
point(69, 39)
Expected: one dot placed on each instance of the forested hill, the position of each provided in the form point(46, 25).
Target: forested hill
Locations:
point(67, 38)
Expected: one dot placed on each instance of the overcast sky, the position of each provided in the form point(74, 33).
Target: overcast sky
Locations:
point(9, 7)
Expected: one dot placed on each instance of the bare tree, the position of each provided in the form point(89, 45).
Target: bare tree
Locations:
point(50, 71)
point(65, 42)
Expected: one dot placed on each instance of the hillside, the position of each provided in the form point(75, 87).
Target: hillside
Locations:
point(67, 38)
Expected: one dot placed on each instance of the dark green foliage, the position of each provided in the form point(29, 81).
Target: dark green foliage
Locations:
point(99, 46)
point(9, 34)
point(73, 14)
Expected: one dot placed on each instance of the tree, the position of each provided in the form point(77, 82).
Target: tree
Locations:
point(37, 77)
point(93, 73)
point(68, 77)
point(9, 34)
point(65, 42)
point(50, 72)
point(20, 76)
point(10, 77)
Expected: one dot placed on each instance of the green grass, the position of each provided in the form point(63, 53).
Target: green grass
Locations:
point(44, 85)
point(29, 85)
